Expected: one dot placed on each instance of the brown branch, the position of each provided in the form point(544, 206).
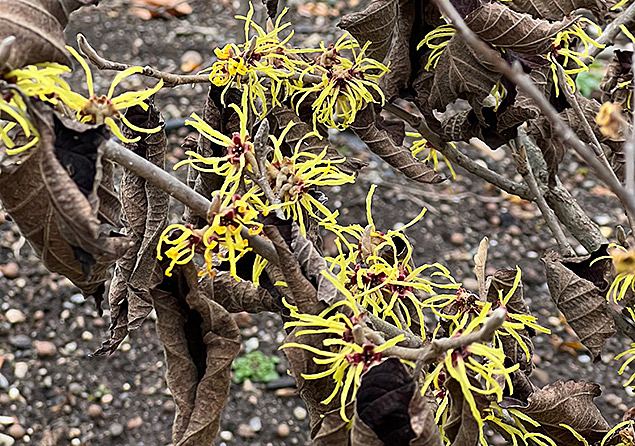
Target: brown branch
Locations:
point(166, 182)
point(436, 348)
point(524, 169)
point(612, 30)
point(524, 83)
point(170, 79)
point(455, 156)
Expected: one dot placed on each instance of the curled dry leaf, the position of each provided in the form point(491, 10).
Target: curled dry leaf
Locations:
point(569, 403)
point(235, 296)
point(398, 77)
point(200, 339)
point(499, 285)
point(376, 24)
point(312, 391)
point(399, 157)
point(145, 210)
point(280, 118)
point(461, 73)
point(390, 410)
point(38, 28)
point(460, 427)
point(557, 10)
point(503, 27)
point(58, 213)
point(334, 431)
point(581, 302)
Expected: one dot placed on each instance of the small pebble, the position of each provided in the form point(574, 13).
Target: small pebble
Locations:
point(457, 238)
point(243, 319)
point(76, 442)
point(11, 270)
point(15, 316)
point(585, 359)
point(255, 424)
point(77, 298)
point(226, 435)
point(107, 398)
point(300, 413)
point(190, 61)
point(94, 411)
point(87, 336)
point(283, 430)
point(169, 406)
point(245, 431)
point(613, 400)
point(45, 349)
point(554, 321)
point(6, 440)
point(16, 431)
point(4, 382)
point(20, 341)
point(134, 423)
point(20, 369)
point(38, 315)
point(14, 394)
point(251, 344)
point(116, 429)
point(286, 392)
point(74, 432)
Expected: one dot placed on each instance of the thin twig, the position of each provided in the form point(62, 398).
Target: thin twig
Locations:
point(436, 348)
point(573, 101)
point(171, 79)
point(629, 148)
point(525, 84)
point(166, 182)
point(524, 168)
point(612, 30)
point(391, 330)
point(455, 156)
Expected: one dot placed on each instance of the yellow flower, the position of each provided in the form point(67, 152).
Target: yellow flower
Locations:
point(347, 86)
point(240, 151)
point(624, 265)
point(182, 248)
point(422, 144)
point(346, 360)
point(12, 104)
point(103, 109)
point(40, 80)
point(630, 351)
point(460, 364)
point(562, 47)
point(445, 32)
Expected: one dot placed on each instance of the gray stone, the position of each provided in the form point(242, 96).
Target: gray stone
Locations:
point(116, 429)
point(20, 341)
point(15, 316)
point(255, 424)
point(300, 413)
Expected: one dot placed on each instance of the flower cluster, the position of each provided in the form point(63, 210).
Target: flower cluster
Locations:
point(422, 145)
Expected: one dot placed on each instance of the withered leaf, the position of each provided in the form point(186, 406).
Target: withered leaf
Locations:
point(557, 10)
point(56, 215)
point(499, 285)
point(461, 427)
point(272, 8)
point(312, 391)
point(200, 339)
point(383, 399)
point(303, 292)
point(38, 28)
point(237, 296)
point(399, 157)
point(618, 72)
point(145, 210)
point(461, 73)
point(503, 27)
point(376, 24)
point(334, 431)
point(399, 55)
point(569, 403)
point(422, 422)
point(362, 435)
point(580, 301)
point(280, 116)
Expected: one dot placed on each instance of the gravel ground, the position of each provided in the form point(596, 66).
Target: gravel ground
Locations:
point(53, 388)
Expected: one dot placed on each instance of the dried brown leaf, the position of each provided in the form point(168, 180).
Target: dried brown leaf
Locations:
point(38, 28)
point(399, 55)
point(362, 435)
point(460, 427)
point(499, 285)
point(200, 339)
point(145, 210)
point(557, 10)
point(237, 296)
point(461, 73)
point(580, 301)
point(312, 391)
point(422, 422)
point(334, 431)
point(279, 117)
point(569, 403)
point(380, 143)
point(503, 27)
point(376, 24)
point(58, 212)
point(618, 72)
